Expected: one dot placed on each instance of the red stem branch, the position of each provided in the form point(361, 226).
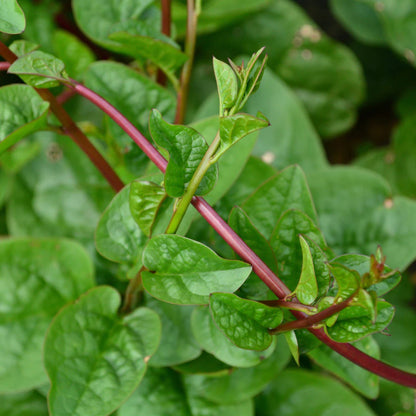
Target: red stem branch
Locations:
point(72, 130)
point(240, 247)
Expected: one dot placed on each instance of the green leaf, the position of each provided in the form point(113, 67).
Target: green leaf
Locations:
point(292, 342)
point(146, 199)
point(333, 95)
point(17, 157)
point(216, 343)
point(12, 18)
point(177, 344)
point(186, 149)
point(29, 403)
point(76, 55)
point(361, 264)
point(361, 18)
point(286, 190)
point(227, 84)
point(38, 278)
point(184, 271)
point(241, 224)
point(99, 20)
point(204, 364)
point(253, 287)
point(400, 348)
point(357, 214)
point(31, 117)
point(362, 380)
point(350, 327)
point(241, 383)
point(291, 138)
point(132, 94)
point(117, 236)
point(39, 69)
point(285, 244)
point(217, 14)
point(95, 359)
point(159, 394)
point(231, 163)
point(234, 128)
point(254, 173)
point(164, 55)
point(244, 322)
point(319, 394)
point(59, 193)
point(22, 47)
point(307, 289)
point(348, 281)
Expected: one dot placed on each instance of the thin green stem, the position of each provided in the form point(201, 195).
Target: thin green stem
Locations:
point(294, 306)
point(190, 42)
point(186, 199)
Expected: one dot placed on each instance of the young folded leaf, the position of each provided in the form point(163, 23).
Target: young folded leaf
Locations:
point(244, 322)
point(348, 281)
point(39, 69)
point(186, 149)
point(292, 342)
point(186, 272)
point(227, 85)
point(146, 199)
point(307, 288)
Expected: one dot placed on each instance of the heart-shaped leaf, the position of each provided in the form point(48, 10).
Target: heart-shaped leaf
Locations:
point(39, 277)
point(186, 272)
point(94, 358)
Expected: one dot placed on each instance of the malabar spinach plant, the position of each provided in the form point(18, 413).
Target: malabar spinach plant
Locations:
point(116, 296)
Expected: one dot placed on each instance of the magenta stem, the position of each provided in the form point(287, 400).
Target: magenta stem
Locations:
point(240, 247)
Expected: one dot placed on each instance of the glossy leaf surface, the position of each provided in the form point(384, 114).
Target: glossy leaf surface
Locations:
point(286, 190)
point(215, 342)
point(184, 271)
point(117, 236)
point(302, 390)
point(243, 321)
point(39, 278)
point(95, 359)
point(146, 199)
point(186, 148)
point(39, 69)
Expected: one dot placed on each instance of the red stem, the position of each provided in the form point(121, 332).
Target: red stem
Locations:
point(240, 247)
point(313, 319)
point(72, 130)
point(165, 29)
point(4, 66)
